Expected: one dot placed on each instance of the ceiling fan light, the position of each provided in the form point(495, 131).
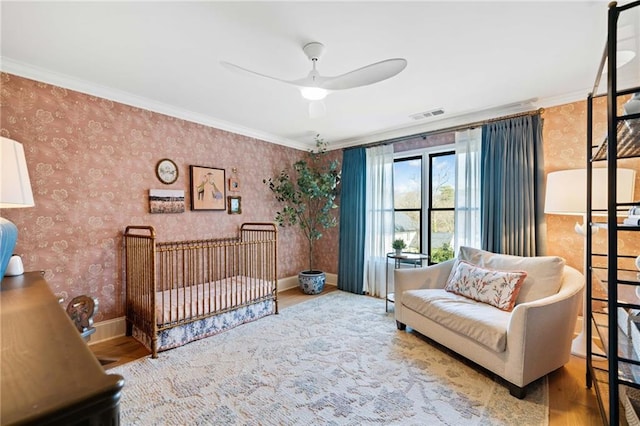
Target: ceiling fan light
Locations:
point(313, 93)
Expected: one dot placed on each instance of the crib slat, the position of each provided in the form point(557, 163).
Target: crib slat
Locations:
point(177, 283)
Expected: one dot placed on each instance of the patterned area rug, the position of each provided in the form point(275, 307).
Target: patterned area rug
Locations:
point(335, 360)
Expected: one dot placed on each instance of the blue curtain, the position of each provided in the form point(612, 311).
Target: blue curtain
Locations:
point(352, 221)
point(512, 176)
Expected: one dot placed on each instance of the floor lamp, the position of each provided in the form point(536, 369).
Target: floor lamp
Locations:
point(566, 194)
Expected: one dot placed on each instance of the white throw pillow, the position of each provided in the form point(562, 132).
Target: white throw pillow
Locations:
point(544, 273)
point(497, 288)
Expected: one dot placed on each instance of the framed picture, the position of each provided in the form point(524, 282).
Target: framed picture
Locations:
point(166, 201)
point(234, 184)
point(207, 188)
point(167, 171)
point(233, 205)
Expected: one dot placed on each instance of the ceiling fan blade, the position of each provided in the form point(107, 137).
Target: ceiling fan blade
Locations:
point(366, 75)
point(240, 70)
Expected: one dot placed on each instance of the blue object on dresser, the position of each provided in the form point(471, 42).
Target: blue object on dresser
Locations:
point(8, 238)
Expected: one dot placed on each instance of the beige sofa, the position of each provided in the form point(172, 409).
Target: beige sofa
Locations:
point(521, 345)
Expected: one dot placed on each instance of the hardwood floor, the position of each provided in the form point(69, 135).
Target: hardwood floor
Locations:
point(570, 402)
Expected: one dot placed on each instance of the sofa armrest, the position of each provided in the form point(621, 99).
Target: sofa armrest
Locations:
point(434, 276)
point(540, 332)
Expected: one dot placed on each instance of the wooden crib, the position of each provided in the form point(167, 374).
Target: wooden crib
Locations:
point(178, 292)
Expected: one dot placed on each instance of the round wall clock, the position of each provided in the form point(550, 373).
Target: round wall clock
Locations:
point(167, 171)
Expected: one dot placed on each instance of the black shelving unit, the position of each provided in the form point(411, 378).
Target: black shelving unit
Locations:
point(609, 272)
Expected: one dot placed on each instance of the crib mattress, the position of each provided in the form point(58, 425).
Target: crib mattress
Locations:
point(190, 302)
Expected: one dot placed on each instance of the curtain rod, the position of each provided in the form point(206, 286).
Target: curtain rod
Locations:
point(449, 129)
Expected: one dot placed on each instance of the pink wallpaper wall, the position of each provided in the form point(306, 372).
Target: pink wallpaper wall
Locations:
point(92, 162)
point(565, 136)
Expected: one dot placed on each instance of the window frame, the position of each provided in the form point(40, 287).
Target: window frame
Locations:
point(421, 209)
point(430, 208)
point(425, 217)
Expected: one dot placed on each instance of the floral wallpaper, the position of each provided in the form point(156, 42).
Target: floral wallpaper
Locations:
point(92, 163)
point(565, 139)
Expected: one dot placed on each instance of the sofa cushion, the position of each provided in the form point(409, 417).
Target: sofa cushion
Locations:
point(497, 288)
point(478, 321)
point(544, 273)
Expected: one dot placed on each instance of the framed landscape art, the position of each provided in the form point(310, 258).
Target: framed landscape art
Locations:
point(208, 190)
point(166, 201)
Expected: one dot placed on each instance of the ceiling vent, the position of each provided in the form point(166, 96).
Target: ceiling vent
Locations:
point(427, 114)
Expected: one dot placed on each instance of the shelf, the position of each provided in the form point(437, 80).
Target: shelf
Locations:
point(629, 361)
point(628, 286)
point(618, 369)
point(621, 227)
point(625, 276)
point(628, 141)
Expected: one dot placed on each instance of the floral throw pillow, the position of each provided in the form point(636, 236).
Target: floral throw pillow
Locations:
point(497, 288)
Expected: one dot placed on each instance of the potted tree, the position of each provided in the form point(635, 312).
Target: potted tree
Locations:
point(307, 196)
point(398, 245)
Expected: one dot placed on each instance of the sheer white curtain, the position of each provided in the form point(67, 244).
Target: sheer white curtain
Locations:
point(467, 204)
point(379, 221)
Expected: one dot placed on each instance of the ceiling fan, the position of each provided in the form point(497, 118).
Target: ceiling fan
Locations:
point(315, 87)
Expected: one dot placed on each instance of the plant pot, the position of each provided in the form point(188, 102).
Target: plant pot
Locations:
point(398, 252)
point(311, 282)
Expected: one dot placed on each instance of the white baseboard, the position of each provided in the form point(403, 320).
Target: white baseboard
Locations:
point(110, 329)
point(332, 279)
point(292, 282)
point(287, 283)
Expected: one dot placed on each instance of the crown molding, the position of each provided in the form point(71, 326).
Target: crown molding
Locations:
point(462, 119)
point(68, 82)
point(62, 80)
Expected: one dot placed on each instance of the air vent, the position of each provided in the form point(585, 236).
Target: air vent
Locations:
point(427, 114)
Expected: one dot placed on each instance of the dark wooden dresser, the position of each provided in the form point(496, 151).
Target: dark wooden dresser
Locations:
point(48, 375)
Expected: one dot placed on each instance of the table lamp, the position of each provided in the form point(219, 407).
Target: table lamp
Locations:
point(566, 194)
point(15, 191)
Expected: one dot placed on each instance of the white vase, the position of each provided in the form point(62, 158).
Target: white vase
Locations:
point(15, 267)
point(638, 263)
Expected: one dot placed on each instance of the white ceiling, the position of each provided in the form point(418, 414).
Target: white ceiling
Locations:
point(476, 60)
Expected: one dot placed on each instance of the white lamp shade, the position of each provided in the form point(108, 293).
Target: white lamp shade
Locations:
point(15, 186)
point(567, 191)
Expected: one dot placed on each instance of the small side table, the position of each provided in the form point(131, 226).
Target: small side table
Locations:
point(416, 259)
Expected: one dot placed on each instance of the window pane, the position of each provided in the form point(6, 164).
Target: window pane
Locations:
point(443, 174)
point(407, 181)
point(441, 236)
point(407, 227)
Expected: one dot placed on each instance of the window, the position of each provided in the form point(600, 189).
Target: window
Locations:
point(424, 192)
point(407, 200)
point(441, 211)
